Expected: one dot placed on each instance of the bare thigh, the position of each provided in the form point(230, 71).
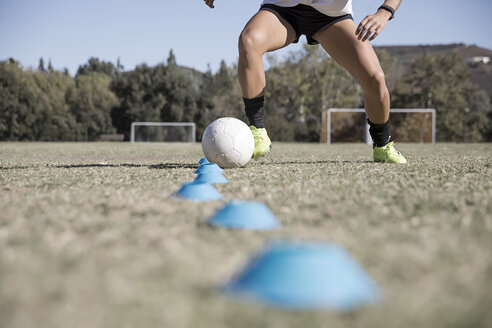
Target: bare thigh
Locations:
point(358, 57)
point(266, 31)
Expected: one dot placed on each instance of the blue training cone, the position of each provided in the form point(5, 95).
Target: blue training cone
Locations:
point(207, 168)
point(244, 215)
point(201, 192)
point(305, 276)
point(203, 161)
point(211, 177)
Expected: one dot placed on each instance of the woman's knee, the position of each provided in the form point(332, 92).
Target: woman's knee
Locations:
point(375, 80)
point(250, 43)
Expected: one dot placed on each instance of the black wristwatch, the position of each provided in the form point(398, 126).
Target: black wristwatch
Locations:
point(388, 8)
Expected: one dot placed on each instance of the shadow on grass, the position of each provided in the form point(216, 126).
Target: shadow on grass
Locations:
point(167, 166)
point(162, 166)
point(6, 168)
point(170, 166)
point(315, 162)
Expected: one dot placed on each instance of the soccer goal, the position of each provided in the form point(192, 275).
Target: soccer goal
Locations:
point(163, 132)
point(350, 125)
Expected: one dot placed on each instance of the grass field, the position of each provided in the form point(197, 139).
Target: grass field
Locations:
point(90, 237)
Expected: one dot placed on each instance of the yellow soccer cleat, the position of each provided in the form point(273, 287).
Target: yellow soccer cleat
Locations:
point(388, 154)
point(263, 144)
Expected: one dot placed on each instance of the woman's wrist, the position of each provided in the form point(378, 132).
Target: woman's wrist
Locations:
point(387, 11)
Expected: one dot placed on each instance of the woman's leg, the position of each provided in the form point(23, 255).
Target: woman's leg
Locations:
point(359, 58)
point(265, 32)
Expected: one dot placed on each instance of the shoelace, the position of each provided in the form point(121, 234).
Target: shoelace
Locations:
point(392, 145)
point(257, 135)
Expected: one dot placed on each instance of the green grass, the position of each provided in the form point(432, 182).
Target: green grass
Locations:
point(90, 237)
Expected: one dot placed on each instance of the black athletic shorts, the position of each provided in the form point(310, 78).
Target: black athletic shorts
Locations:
point(305, 19)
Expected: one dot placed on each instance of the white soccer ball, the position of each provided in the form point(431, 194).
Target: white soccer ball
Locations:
point(228, 142)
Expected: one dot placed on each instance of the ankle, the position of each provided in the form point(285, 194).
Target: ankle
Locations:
point(255, 111)
point(380, 133)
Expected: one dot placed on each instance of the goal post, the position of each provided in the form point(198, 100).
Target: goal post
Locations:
point(421, 127)
point(163, 132)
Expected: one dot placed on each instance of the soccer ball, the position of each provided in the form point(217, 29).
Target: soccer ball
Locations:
point(228, 142)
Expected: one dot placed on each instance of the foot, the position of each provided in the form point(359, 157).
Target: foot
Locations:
point(262, 142)
point(388, 154)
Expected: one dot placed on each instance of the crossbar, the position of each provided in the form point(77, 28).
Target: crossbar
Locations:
point(191, 124)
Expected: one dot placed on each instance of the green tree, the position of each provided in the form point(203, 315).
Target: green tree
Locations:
point(32, 104)
point(41, 67)
point(50, 66)
point(166, 93)
point(16, 102)
point(220, 95)
point(94, 65)
point(179, 91)
point(171, 59)
point(90, 101)
point(139, 97)
point(53, 120)
point(442, 81)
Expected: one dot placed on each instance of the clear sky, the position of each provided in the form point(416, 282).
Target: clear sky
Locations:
point(70, 31)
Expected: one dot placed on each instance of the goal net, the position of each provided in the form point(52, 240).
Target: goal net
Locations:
point(417, 125)
point(163, 132)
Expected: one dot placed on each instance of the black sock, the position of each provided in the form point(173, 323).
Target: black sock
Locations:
point(255, 110)
point(380, 133)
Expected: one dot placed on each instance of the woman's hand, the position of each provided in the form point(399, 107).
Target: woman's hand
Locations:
point(210, 3)
point(372, 25)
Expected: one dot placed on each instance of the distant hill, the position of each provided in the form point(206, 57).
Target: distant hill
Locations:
point(405, 53)
point(481, 74)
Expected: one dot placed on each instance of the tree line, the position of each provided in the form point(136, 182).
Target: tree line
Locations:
point(103, 98)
